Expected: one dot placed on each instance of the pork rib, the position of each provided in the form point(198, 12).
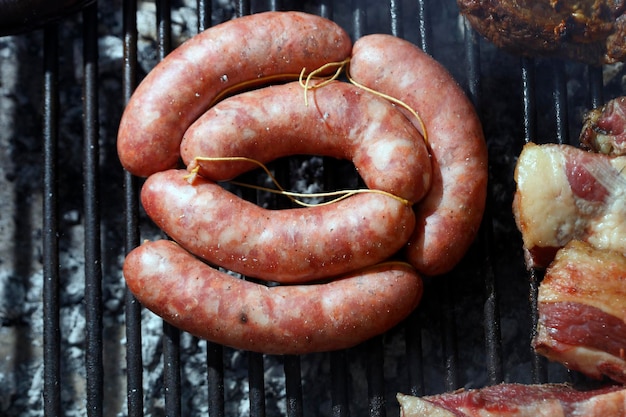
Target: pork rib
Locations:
point(582, 311)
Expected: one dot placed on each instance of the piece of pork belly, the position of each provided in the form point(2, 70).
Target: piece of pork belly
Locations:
point(604, 128)
point(517, 400)
point(565, 193)
point(582, 311)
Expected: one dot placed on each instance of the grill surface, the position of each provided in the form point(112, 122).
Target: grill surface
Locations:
point(73, 214)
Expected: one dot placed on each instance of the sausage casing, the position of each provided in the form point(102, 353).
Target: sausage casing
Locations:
point(449, 217)
point(339, 120)
point(290, 245)
point(187, 81)
point(291, 319)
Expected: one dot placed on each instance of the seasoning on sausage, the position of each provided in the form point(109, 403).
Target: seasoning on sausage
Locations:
point(290, 245)
point(183, 85)
point(448, 218)
point(290, 319)
point(340, 120)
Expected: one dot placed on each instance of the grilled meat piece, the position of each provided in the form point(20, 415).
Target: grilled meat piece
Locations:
point(590, 31)
point(565, 193)
point(582, 311)
point(517, 400)
point(604, 128)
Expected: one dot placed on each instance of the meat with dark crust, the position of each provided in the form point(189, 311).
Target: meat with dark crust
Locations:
point(589, 31)
point(604, 128)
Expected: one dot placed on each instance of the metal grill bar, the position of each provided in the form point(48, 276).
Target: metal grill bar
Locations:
point(539, 368)
point(423, 19)
point(204, 14)
point(595, 86)
point(529, 100)
point(215, 376)
point(395, 14)
point(375, 377)
point(293, 385)
point(559, 95)
point(171, 335)
point(132, 308)
point(448, 334)
point(256, 383)
point(491, 319)
point(92, 253)
point(51, 305)
point(359, 18)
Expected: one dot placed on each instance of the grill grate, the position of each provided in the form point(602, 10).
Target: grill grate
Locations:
point(462, 333)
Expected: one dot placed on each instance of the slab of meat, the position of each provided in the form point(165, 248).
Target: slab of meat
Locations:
point(590, 31)
point(604, 128)
point(565, 193)
point(582, 311)
point(517, 400)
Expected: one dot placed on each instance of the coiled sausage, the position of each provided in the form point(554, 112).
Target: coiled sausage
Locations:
point(187, 81)
point(449, 216)
point(339, 120)
point(290, 245)
point(292, 319)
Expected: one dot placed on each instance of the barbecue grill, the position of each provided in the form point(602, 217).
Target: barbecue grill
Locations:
point(74, 342)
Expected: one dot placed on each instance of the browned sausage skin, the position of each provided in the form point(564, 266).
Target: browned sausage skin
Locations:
point(187, 81)
point(449, 216)
point(291, 245)
point(338, 120)
point(293, 319)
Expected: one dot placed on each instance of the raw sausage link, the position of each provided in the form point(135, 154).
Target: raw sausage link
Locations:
point(294, 319)
point(449, 216)
point(291, 245)
point(339, 120)
point(186, 82)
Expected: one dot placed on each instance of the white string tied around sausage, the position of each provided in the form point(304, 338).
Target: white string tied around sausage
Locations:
point(291, 195)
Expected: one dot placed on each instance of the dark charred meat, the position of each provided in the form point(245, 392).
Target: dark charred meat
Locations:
point(590, 31)
point(604, 128)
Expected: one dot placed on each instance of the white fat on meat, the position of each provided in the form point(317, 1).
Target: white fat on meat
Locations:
point(565, 193)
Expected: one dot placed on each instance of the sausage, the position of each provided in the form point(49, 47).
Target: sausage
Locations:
point(290, 245)
point(290, 319)
point(182, 86)
point(449, 217)
point(338, 120)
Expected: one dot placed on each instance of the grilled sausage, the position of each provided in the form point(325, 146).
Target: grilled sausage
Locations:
point(294, 319)
point(339, 120)
point(291, 245)
point(187, 81)
point(449, 216)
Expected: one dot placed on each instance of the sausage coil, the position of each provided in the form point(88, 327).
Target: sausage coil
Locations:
point(340, 120)
point(246, 50)
point(448, 218)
